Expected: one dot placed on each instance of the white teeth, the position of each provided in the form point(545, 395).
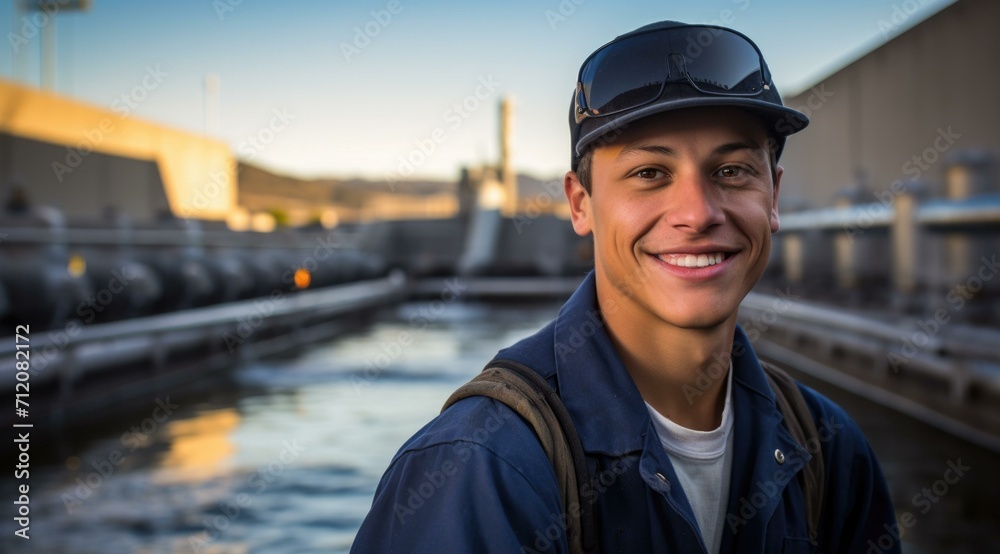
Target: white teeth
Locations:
point(693, 260)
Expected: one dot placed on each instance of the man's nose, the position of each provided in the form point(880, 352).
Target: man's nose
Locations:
point(696, 205)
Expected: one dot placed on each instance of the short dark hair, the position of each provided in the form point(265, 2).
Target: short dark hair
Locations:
point(583, 169)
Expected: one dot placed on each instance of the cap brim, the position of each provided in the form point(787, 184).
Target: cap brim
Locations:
point(781, 121)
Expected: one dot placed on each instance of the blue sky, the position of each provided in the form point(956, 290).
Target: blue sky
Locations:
point(359, 87)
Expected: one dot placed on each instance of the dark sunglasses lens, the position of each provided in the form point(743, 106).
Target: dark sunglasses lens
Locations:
point(625, 75)
point(721, 62)
point(631, 73)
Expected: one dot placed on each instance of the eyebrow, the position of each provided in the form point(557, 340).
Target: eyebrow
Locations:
point(727, 148)
point(731, 147)
point(653, 148)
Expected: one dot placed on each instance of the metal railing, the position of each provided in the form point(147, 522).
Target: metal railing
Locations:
point(978, 211)
point(167, 237)
point(67, 355)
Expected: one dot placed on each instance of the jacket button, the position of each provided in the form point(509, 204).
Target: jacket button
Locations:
point(779, 456)
point(663, 478)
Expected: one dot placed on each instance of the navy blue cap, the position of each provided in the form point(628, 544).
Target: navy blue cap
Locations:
point(781, 121)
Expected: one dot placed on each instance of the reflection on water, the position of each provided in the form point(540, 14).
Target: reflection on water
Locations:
point(199, 447)
point(287, 459)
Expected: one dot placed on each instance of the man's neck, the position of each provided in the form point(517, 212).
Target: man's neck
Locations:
point(681, 373)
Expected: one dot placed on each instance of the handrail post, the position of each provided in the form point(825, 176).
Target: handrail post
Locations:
point(906, 238)
point(844, 253)
point(968, 173)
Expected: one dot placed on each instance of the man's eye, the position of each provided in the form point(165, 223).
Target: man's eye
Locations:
point(731, 171)
point(649, 173)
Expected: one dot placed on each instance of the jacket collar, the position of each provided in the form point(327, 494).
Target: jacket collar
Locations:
point(606, 407)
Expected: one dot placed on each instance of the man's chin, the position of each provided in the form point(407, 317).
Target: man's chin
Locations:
point(703, 320)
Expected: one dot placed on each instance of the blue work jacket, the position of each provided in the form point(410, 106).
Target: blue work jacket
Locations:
point(475, 479)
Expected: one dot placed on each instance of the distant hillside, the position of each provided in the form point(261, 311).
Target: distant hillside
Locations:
point(256, 182)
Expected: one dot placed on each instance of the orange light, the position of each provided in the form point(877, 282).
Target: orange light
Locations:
point(77, 265)
point(302, 278)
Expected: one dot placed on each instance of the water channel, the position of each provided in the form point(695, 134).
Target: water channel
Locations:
point(285, 455)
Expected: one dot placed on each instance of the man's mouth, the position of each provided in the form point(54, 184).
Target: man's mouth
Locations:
point(694, 260)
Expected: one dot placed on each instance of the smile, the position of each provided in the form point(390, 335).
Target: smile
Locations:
point(693, 260)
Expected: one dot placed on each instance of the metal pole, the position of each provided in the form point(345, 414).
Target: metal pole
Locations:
point(905, 238)
point(212, 85)
point(48, 53)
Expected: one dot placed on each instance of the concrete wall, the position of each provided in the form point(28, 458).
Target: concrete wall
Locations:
point(897, 112)
point(104, 183)
point(68, 148)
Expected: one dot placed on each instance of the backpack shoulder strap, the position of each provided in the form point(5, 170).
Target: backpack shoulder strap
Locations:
point(800, 423)
point(530, 396)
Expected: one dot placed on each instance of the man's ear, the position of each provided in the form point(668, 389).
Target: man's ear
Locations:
point(579, 204)
point(778, 172)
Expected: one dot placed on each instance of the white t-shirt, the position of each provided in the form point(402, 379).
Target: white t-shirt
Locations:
point(703, 462)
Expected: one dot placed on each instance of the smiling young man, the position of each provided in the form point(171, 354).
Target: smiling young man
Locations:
point(676, 133)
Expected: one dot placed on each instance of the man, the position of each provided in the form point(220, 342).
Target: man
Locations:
point(676, 133)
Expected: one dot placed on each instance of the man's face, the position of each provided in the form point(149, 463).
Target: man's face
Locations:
point(682, 207)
